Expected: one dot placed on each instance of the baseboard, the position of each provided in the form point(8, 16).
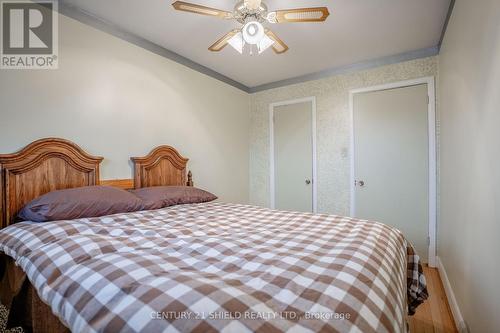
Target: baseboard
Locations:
point(452, 301)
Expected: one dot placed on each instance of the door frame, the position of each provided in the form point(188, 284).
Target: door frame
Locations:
point(311, 99)
point(431, 119)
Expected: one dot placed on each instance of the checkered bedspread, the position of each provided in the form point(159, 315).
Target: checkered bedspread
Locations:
point(220, 267)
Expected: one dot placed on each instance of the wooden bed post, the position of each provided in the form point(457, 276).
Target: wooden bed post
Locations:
point(190, 179)
point(3, 204)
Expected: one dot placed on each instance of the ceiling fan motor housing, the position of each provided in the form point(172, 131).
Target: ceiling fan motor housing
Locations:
point(243, 14)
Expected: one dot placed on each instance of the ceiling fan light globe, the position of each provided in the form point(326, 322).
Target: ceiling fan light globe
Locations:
point(237, 42)
point(253, 32)
point(265, 43)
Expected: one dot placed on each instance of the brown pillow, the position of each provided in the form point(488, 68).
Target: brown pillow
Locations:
point(163, 196)
point(81, 202)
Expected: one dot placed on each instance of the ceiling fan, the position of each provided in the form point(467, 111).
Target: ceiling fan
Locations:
point(251, 14)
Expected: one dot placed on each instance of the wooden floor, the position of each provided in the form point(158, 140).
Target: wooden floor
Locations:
point(434, 315)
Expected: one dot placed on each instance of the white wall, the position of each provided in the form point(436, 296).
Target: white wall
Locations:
point(469, 227)
point(117, 100)
point(333, 129)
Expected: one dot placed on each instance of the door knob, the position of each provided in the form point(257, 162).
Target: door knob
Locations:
point(308, 181)
point(359, 183)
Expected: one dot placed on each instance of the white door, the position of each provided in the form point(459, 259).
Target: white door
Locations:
point(391, 160)
point(293, 157)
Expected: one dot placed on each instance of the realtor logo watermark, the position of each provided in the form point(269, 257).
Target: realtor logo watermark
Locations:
point(29, 35)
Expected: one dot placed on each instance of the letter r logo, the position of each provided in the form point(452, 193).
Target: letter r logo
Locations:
point(27, 28)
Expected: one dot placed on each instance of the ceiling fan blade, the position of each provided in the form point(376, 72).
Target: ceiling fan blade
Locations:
point(279, 46)
point(198, 9)
point(317, 14)
point(221, 43)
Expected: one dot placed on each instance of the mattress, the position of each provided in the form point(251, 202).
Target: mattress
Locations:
point(220, 267)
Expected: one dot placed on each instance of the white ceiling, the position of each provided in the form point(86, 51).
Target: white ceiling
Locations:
point(356, 31)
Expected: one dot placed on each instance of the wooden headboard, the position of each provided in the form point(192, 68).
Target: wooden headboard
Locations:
point(55, 164)
point(163, 166)
point(43, 166)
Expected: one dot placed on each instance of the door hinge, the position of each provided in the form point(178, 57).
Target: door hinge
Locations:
point(428, 241)
point(428, 100)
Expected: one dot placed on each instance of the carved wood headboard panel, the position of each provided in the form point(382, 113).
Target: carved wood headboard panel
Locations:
point(42, 166)
point(163, 166)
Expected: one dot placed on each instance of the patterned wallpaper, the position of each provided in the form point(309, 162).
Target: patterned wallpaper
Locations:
point(333, 128)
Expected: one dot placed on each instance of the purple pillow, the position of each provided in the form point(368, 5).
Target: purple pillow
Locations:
point(81, 202)
point(163, 196)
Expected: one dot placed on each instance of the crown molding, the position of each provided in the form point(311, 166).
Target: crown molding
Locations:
point(98, 23)
point(446, 22)
point(407, 56)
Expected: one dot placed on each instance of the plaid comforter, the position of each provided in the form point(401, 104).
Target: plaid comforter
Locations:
point(220, 267)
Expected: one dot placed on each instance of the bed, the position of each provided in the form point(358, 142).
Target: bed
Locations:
point(192, 268)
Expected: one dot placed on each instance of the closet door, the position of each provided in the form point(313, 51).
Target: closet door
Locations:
point(293, 157)
point(391, 160)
